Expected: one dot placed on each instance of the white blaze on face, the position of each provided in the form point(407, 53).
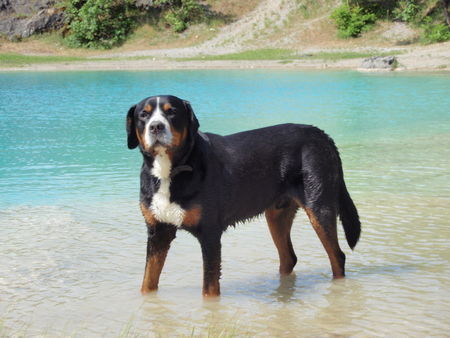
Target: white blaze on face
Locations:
point(157, 116)
point(164, 210)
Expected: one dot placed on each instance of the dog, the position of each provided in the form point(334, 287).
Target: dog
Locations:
point(204, 183)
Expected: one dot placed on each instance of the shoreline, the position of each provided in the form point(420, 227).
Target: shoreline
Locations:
point(155, 65)
point(433, 58)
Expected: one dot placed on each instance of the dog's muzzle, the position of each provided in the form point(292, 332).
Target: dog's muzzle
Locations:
point(158, 133)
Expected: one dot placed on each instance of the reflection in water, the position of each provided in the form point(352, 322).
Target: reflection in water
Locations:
point(72, 241)
point(285, 292)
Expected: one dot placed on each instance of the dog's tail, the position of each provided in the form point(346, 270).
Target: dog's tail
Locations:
point(349, 216)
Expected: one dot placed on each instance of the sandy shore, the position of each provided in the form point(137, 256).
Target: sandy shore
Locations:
point(149, 64)
point(428, 58)
point(153, 65)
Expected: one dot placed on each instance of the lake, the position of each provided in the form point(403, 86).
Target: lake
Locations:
point(72, 239)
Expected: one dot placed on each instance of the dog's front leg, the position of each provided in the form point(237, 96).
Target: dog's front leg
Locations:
point(159, 238)
point(211, 252)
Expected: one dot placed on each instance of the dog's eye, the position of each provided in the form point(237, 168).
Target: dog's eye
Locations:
point(171, 112)
point(143, 114)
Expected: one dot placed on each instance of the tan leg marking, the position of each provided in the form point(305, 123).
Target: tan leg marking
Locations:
point(280, 224)
point(329, 240)
point(212, 290)
point(153, 270)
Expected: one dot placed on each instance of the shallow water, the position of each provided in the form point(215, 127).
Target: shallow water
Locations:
point(72, 240)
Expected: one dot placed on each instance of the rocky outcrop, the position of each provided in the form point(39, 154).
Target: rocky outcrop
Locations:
point(401, 34)
point(379, 62)
point(23, 18)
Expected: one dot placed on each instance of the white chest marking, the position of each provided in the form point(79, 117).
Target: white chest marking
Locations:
point(164, 210)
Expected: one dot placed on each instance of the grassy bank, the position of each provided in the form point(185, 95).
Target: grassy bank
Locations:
point(19, 60)
point(286, 55)
point(283, 55)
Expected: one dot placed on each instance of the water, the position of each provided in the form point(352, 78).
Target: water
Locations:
point(72, 240)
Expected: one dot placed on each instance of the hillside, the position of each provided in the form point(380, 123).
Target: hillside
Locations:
point(303, 26)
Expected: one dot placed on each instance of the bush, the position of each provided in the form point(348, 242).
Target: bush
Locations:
point(407, 11)
point(433, 33)
point(352, 21)
point(178, 14)
point(381, 8)
point(99, 23)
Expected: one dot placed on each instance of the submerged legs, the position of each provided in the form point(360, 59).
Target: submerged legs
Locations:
point(324, 223)
point(159, 238)
point(280, 221)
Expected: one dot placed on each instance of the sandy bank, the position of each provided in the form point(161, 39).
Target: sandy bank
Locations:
point(422, 59)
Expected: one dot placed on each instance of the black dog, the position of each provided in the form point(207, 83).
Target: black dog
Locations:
point(204, 183)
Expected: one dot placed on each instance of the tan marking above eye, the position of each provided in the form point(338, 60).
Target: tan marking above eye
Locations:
point(148, 108)
point(167, 106)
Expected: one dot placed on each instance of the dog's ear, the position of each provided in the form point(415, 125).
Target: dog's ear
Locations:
point(194, 125)
point(131, 129)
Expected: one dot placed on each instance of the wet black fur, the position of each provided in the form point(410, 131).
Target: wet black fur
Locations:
point(237, 177)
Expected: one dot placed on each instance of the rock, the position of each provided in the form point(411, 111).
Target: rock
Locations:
point(24, 7)
point(379, 62)
point(23, 18)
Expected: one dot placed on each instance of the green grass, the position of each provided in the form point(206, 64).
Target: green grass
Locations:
point(286, 55)
point(19, 60)
point(258, 54)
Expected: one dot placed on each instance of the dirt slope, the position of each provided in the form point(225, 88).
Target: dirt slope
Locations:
point(247, 32)
point(301, 25)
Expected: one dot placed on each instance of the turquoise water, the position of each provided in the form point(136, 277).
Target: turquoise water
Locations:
point(72, 241)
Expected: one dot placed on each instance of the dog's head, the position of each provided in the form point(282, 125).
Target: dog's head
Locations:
point(157, 122)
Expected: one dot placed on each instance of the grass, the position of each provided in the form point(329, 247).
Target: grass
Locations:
point(286, 55)
point(258, 54)
point(19, 60)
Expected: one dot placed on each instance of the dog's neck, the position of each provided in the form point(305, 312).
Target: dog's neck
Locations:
point(161, 166)
point(165, 167)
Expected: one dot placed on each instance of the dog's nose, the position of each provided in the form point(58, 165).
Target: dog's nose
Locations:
point(156, 127)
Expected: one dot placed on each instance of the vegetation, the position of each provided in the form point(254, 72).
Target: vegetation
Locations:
point(283, 55)
point(407, 11)
point(357, 16)
point(433, 33)
point(107, 23)
point(178, 14)
point(99, 23)
point(19, 60)
point(352, 21)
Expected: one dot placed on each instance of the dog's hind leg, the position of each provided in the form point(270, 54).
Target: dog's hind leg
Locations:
point(324, 223)
point(279, 218)
point(159, 238)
